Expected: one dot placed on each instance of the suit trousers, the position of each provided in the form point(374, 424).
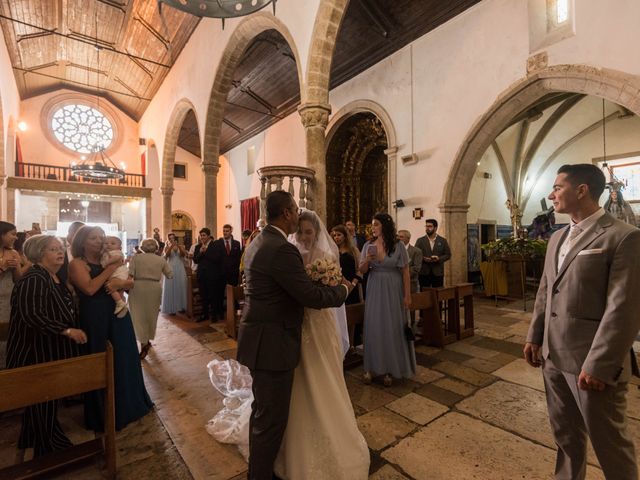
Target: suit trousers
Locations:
point(431, 281)
point(576, 414)
point(269, 416)
point(206, 286)
point(41, 430)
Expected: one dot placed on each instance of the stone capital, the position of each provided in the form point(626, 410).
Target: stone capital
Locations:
point(167, 191)
point(2, 177)
point(315, 115)
point(210, 168)
point(454, 207)
point(391, 151)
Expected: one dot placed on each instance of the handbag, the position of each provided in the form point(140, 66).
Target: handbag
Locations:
point(408, 333)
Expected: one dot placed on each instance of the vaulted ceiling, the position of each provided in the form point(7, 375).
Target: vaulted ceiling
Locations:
point(52, 44)
point(123, 46)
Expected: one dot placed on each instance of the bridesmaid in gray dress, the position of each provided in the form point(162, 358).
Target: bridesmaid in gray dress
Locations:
point(386, 349)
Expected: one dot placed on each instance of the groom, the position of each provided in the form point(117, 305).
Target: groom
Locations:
point(277, 290)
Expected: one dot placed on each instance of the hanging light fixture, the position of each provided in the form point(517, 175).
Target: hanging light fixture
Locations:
point(614, 184)
point(219, 8)
point(97, 166)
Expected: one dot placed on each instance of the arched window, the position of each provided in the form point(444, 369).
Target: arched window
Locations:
point(81, 128)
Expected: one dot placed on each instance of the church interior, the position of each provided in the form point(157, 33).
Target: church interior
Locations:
point(150, 117)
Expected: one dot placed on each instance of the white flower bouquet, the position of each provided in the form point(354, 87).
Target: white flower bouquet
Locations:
point(325, 271)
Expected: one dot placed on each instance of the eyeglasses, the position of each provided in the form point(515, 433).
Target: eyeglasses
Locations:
point(55, 249)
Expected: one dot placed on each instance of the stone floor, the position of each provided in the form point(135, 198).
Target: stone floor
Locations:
point(474, 410)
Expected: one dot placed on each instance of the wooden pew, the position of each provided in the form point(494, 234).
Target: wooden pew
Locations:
point(235, 302)
point(194, 305)
point(426, 302)
point(464, 299)
point(33, 384)
point(355, 316)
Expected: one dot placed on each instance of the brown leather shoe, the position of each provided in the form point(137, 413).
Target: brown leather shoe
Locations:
point(144, 351)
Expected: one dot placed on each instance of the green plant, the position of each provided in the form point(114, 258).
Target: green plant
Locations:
point(523, 247)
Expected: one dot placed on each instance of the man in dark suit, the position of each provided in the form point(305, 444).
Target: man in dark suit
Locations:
point(229, 253)
point(209, 261)
point(356, 238)
point(435, 251)
point(585, 320)
point(277, 290)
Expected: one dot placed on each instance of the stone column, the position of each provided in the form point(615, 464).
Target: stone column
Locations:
point(454, 228)
point(11, 205)
point(167, 194)
point(2, 177)
point(211, 195)
point(315, 117)
point(392, 182)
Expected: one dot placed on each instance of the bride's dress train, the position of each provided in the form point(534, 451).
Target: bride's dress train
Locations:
point(322, 440)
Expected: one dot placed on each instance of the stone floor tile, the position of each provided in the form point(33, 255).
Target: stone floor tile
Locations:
point(485, 366)
point(472, 350)
point(222, 345)
point(399, 387)
point(427, 350)
point(467, 374)
point(417, 408)
point(382, 427)
point(503, 346)
point(387, 472)
point(458, 454)
point(520, 372)
point(427, 361)
point(368, 397)
point(505, 358)
point(426, 375)
point(516, 408)
point(440, 395)
point(456, 386)
point(452, 356)
point(229, 354)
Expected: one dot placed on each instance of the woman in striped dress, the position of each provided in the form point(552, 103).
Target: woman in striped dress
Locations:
point(42, 328)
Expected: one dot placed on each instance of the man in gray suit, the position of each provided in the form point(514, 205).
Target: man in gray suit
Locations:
point(277, 290)
point(415, 259)
point(585, 320)
point(435, 251)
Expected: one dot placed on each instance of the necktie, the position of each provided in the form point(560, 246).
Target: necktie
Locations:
point(574, 231)
point(226, 244)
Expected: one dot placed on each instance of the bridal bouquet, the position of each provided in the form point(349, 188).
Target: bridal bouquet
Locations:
point(325, 271)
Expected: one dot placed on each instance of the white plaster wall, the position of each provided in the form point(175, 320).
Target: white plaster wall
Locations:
point(188, 194)
point(38, 148)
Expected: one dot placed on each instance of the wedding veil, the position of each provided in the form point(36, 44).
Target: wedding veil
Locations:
point(322, 247)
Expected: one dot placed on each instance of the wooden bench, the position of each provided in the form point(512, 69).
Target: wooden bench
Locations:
point(464, 299)
point(426, 302)
point(194, 304)
point(44, 382)
point(235, 303)
point(355, 316)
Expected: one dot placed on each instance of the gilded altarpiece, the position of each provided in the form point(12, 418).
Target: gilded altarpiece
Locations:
point(357, 171)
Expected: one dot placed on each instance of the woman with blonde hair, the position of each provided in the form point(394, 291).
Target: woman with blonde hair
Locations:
point(147, 269)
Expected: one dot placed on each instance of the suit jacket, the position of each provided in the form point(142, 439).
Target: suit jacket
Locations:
point(230, 263)
point(586, 315)
point(360, 240)
point(415, 264)
point(440, 248)
point(209, 262)
point(277, 290)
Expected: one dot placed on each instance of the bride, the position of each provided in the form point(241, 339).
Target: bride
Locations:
point(322, 440)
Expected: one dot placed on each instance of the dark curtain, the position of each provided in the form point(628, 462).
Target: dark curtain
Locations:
point(249, 213)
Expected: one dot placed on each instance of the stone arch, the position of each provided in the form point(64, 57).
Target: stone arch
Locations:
point(192, 223)
point(358, 106)
point(323, 43)
point(615, 86)
point(169, 156)
point(240, 39)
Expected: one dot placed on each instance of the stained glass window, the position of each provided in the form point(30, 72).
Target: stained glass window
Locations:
point(82, 128)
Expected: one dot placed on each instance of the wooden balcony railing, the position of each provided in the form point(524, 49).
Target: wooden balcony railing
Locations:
point(53, 172)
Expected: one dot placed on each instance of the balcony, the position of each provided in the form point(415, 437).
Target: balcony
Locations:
point(63, 174)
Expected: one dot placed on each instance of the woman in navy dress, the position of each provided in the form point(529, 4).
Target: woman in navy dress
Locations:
point(97, 319)
point(386, 349)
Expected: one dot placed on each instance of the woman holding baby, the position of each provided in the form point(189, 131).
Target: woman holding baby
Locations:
point(95, 285)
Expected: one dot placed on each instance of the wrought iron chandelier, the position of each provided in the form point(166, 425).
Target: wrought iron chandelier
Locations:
point(219, 8)
point(97, 166)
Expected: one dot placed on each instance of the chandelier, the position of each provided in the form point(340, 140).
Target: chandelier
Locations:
point(219, 8)
point(97, 167)
point(614, 184)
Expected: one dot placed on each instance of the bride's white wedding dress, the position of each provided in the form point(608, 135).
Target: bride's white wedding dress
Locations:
point(322, 440)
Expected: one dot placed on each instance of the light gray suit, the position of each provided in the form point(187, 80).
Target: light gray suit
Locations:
point(586, 317)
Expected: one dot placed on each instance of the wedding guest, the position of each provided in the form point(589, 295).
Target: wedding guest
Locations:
point(112, 253)
point(253, 235)
point(92, 282)
point(43, 328)
point(348, 260)
point(11, 269)
point(174, 289)
point(386, 349)
point(63, 273)
point(147, 269)
point(208, 261)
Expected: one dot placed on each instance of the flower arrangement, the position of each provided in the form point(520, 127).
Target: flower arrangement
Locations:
point(325, 271)
point(523, 247)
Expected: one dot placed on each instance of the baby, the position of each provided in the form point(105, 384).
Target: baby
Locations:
point(112, 254)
